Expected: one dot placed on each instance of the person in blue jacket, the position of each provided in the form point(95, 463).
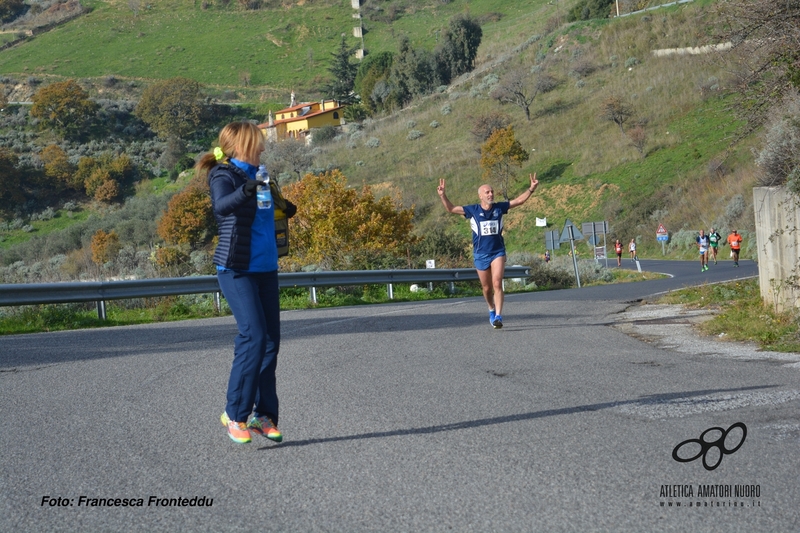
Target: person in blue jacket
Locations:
point(246, 258)
point(488, 247)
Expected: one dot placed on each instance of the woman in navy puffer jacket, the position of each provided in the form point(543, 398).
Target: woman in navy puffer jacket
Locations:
point(247, 270)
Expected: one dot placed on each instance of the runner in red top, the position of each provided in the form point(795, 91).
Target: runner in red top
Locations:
point(618, 250)
point(735, 240)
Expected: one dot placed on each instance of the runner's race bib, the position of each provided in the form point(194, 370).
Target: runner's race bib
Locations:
point(489, 227)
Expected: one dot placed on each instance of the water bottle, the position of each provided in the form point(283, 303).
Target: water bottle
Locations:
point(263, 194)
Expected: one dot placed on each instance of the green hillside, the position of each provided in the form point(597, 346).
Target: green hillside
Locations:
point(278, 49)
point(692, 172)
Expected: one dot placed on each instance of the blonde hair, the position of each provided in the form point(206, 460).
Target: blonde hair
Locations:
point(237, 139)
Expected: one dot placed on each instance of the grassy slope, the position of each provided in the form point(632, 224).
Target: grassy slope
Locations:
point(588, 168)
point(281, 49)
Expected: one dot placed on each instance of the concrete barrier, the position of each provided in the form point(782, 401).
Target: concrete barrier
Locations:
point(777, 213)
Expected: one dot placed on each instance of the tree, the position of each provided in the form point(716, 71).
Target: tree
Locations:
point(188, 218)
point(638, 137)
point(616, 110)
point(101, 177)
point(9, 9)
point(374, 69)
point(590, 9)
point(459, 47)
point(779, 159)
point(413, 72)
point(765, 54)
point(105, 247)
point(292, 155)
point(58, 167)
point(64, 106)
point(485, 125)
point(11, 193)
point(172, 107)
point(344, 70)
point(517, 87)
point(339, 227)
point(108, 191)
point(499, 154)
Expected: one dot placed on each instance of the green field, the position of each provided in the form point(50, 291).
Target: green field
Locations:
point(277, 49)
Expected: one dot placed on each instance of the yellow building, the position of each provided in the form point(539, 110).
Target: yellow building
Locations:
point(297, 120)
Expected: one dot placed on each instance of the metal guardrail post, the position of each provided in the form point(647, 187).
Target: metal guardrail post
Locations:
point(217, 302)
point(101, 309)
point(390, 291)
point(314, 295)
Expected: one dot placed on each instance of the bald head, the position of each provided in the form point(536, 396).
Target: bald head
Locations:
point(486, 194)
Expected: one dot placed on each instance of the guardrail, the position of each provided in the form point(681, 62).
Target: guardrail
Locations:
point(101, 291)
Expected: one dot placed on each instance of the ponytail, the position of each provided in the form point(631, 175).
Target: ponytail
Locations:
point(204, 165)
point(234, 138)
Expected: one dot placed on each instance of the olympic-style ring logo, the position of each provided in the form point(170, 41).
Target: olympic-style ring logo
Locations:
point(706, 446)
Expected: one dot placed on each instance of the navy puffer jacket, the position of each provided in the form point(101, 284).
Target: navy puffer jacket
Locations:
point(235, 213)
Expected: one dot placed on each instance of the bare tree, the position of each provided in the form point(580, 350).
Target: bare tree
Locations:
point(638, 137)
point(290, 155)
point(520, 88)
point(616, 110)
point(765, 58)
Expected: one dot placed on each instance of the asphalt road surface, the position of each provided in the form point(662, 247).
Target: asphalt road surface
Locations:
point(405, 417)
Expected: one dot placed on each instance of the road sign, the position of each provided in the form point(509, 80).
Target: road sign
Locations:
point(598, 228)
point(551, 241)
point(565, 236)
point(661, 230)
point(662, 237)
point(600, 252)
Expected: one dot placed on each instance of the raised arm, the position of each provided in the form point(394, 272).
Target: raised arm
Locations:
point(448, 205)
point(522, 198)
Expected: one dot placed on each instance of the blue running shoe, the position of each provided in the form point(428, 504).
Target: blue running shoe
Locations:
point(491, 317)
point(498, 322)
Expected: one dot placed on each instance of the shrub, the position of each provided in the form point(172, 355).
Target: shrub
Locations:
point(780, 156)
point(485, 125)
point(414, 135)
point(372, 142)
point(324, 135)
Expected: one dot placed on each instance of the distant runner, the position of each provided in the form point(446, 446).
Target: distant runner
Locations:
point(714, 238)
point(702, 245)
point(735, 240)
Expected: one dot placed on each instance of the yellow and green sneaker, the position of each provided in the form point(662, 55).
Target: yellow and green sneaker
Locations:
point(237, 431)
point(264, 426)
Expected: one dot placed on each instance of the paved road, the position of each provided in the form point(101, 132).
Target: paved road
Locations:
point(400, 417)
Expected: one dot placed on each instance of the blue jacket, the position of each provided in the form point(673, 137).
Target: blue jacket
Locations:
point(235, 214)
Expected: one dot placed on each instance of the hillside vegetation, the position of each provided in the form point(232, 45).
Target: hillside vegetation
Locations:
point(260, 54)
point(676, 159)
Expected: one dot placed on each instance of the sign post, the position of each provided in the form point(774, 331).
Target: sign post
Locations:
point(571, 233)
point(662, 236)
point(595, 229)
point(551, 240)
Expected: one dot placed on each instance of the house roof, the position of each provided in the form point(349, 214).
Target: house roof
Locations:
point(298, 108)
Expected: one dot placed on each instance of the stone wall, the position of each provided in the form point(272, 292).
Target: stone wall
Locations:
point(777, 213)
